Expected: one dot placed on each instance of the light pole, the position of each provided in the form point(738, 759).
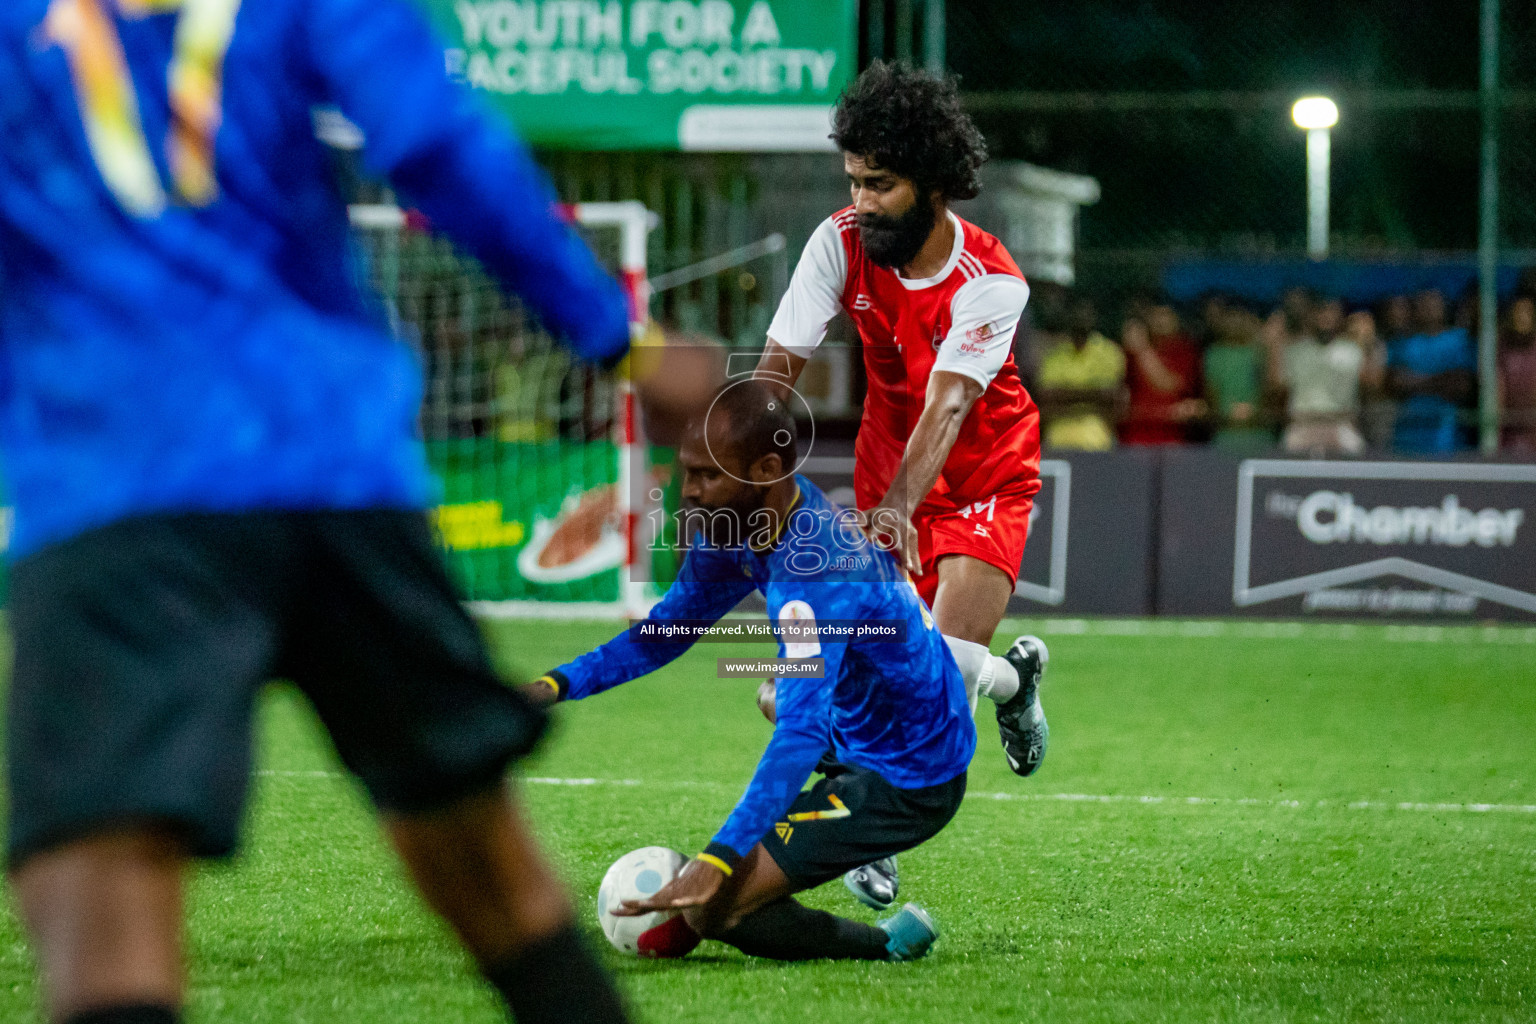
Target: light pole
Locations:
point(1315, 115)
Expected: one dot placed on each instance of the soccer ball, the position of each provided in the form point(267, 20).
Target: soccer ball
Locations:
point(636, 875)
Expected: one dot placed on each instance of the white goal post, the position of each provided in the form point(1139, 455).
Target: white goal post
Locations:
point(544, 466)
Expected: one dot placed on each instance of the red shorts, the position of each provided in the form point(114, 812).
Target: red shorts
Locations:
point(993, 529)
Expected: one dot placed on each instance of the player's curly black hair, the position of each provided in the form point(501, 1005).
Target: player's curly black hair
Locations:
point(911, 122)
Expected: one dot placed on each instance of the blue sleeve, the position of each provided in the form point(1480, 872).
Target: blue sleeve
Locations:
point(435, 142)
point(697, 594)
point(801, 734)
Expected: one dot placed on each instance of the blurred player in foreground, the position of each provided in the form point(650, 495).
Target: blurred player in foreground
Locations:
point(947, 461)
point(210, 444)
point(892, 712)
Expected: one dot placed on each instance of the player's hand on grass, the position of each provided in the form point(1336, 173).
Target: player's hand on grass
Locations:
point(694, 886)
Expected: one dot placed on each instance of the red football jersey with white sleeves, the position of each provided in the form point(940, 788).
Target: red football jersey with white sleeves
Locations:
point(962, 320)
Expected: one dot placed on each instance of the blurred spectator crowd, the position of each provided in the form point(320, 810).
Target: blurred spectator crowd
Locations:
point(1311, 376)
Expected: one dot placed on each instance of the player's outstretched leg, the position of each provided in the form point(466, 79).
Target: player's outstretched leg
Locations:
point(478, 866)
point(969, 601)
point(759, 915)
point(875, 885)
point(788, 930)
point(1021, 719)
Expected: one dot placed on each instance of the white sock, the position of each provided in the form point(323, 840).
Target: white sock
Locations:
point(1002, 682)
point(984, 672)
point(972, 659)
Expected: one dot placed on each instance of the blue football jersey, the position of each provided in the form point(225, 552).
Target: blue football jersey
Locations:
point(180, 327)
point(891, 700)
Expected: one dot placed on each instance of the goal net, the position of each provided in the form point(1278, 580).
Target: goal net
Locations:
point(544, 479)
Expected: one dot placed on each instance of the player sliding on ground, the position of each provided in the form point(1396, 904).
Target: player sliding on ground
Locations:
point(893, 713)
point(948, 453)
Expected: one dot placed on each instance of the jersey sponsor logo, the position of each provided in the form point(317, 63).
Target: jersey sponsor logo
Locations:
point(784, 830)
point(975, 343)
point(862, 302)
point(989, 506)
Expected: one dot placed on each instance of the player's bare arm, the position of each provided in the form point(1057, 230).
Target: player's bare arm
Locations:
point(780, 368)
point(948, 402)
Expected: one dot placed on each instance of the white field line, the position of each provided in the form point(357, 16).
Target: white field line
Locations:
point(1080, 798)
point(1353, 805)
point(1229, 629)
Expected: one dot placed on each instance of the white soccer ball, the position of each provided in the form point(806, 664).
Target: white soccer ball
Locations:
point(636, 875)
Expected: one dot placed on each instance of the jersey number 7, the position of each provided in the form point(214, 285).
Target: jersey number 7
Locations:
point(109, 107)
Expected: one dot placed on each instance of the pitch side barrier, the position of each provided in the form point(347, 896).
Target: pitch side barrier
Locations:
point(1358, 539)
point(1194, 532)
point(1091, 533)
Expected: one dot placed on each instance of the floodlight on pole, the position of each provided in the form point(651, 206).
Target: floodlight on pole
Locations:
point(1316, 115)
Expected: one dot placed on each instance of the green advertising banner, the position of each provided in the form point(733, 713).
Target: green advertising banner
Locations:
point(539, 521)
point(712, 75)
point(529, 521)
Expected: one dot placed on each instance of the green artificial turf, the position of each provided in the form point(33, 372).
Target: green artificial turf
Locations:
point(1255, 823)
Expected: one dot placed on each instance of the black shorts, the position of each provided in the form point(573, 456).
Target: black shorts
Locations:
point(852, 816)
point(141, 647)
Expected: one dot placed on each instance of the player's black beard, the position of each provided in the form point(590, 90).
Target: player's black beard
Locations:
point(895, 241)
point(723, 526)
